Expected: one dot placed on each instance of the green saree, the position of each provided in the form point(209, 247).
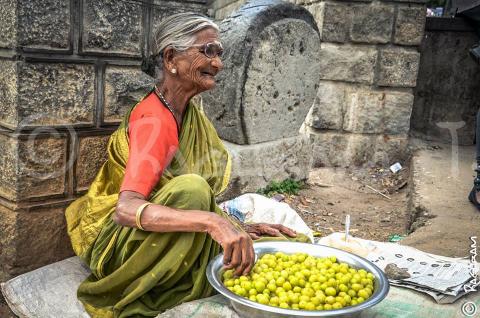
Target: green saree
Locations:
point(137, 273)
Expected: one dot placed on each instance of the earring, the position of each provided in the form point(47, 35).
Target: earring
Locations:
point(174, 71)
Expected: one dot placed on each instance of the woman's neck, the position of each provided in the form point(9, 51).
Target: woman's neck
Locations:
point(177, 96)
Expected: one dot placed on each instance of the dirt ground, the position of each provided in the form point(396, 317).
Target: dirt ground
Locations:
point(330, 194)
point(5, 312)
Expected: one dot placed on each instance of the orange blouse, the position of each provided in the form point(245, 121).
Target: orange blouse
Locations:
point(153, 141)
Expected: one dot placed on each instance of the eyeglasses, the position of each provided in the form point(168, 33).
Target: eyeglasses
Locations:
point(211, 49)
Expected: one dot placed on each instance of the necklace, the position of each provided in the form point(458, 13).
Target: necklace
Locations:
point(164, 100)
point(170, 108)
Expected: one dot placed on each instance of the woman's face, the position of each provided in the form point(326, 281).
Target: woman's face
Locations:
point(194, 69)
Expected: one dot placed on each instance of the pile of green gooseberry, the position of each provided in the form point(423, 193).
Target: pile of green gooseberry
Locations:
point(302, 282)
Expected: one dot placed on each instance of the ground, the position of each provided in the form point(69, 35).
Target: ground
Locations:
point(441, 180)
point(5, 312)
point(427, 200)
point(330, 194)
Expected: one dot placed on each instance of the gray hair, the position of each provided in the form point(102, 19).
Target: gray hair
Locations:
point(178, 31)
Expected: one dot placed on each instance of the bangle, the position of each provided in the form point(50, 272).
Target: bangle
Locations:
point(138, 215)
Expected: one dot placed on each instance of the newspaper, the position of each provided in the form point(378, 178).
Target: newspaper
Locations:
point(443, 278)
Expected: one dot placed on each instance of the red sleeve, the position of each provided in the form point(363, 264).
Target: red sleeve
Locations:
point(153, 141)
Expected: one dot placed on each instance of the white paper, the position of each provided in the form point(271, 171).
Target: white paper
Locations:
point(441, 277)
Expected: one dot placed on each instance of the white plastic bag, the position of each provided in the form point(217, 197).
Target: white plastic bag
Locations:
point(256, 208)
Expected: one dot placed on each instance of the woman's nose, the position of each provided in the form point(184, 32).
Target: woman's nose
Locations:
point(217, 63)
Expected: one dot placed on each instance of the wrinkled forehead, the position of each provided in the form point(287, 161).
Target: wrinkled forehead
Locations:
point(208, 35)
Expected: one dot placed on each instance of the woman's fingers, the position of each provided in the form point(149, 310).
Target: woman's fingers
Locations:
point(257, 230)
point(236, 262)
point(227, 255)
point(284, 230)
point(270, 230)
point(251, 258)
point(238, 253)
point(253, 235)
point(245, 257)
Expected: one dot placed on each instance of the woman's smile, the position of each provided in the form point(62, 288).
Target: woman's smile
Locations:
point(211, 74)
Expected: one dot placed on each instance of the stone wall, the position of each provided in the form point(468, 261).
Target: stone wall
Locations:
point(69, 69)
point(447, 96)
point(255, 108)
point(369, 63)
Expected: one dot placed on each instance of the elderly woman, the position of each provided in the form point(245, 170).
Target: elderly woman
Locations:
point(149, 224)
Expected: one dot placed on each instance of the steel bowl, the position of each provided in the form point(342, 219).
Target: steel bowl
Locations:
point(247, 308)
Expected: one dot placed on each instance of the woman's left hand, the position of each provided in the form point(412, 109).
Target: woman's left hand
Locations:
point(257, 230)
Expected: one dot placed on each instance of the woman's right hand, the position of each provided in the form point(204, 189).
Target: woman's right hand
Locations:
point(237, 246)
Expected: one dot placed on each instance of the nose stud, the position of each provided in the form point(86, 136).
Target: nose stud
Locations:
point(174, 71)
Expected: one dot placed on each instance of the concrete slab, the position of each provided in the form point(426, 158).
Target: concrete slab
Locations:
point(399, 303)
point(441, 181)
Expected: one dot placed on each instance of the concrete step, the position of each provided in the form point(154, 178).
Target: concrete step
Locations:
point(442, 177)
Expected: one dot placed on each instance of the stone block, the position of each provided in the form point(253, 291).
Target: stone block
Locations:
point(44, 24)
point(372, 23)
point(217, 4)
point(229, 9)
point(29, 240)
point(300, 2)
point(164, 9)
point(42, 167)
point(397, 112)
point(410, 25)
point(406, 1)
point(377, 112)
point(333, 149)
point(335, 22)
point(37, 24)
point(113, 27)
point(254, 166)
point(55, 94)
point(92, 155)
point(7, 243)
point(8, 92)
point(33, 167)
point(398, 67)
point(274, 107)
point(390, 149)
point(270, 78)
point(327, 149)
point(124, 87)
point(36, 94)
point(316, 10)
point(8, 25)
point(364, 111)
point(327, 111)
point(349, 63)
point(9, 164)
point(309, 2)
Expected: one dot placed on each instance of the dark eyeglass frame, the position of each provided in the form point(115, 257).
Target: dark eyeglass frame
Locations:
point(207, 47)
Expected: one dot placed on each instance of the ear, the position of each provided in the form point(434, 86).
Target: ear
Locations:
point(169, 58)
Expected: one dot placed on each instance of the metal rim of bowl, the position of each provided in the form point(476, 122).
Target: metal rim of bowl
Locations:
point(214, 270)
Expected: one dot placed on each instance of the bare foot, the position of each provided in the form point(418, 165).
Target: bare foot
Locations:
point(478, 196)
